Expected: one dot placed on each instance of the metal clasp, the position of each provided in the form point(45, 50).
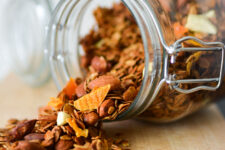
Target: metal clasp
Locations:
point(172, 52)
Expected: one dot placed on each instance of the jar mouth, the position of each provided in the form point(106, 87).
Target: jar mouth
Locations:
point(66, 30)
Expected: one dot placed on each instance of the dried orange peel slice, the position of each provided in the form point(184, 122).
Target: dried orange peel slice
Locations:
point(92, 100)
point(56, 103)
point(79, 132)
point(70, 88)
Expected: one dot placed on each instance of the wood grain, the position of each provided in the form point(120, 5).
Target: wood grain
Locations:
point(204, 130)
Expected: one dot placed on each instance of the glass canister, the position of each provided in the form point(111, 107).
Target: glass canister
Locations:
point(183, 48)
point(24, 27)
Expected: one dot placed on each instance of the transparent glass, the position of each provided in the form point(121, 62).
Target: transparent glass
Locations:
point(161, 98)
point(25, 25)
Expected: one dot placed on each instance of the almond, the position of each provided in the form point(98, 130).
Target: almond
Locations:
point(91, 118)
point(34, 136)
point(80, 91)
point(104, 80)
point(21, 130)
point(64, 145)
point(103, 110)
point(99, 64)
point(25, 145)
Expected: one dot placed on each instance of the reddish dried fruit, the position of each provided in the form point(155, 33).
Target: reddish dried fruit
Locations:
point(105, 80)
point(21, 130)
point(91, 118)
point(104, 107)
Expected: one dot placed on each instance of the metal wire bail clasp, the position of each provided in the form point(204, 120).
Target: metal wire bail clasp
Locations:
point(170, 57)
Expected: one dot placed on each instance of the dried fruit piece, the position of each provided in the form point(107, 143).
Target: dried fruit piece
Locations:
point(200, 23)
point(61, 118)
point(56, 103)
point(70, 88)
point(79, 132)
point(179, 30)
point(105, 80)
point(92, 100)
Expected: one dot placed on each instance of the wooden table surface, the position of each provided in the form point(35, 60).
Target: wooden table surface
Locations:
point(204, 130)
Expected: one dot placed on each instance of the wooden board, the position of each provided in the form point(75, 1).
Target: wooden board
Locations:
point(204, 130)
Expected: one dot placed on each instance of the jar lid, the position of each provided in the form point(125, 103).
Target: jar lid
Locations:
point(25, 26)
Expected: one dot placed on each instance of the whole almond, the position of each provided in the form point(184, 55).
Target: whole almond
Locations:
point(64, 145)
point(25, 145)
point(34, 136)
point(99, 64)
point(21, 130)
point(104, 80)
point(103, 110)
point(80, 91)
point(91, 118)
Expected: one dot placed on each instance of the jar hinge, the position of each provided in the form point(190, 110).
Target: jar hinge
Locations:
point(170, 57)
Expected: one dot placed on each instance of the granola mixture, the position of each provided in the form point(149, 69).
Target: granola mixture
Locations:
point(113, 62)
point(204, 20)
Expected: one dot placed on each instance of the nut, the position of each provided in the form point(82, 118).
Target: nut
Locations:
point(104, 80)
point(61, 118)
point(34, 136)
point(111, 110)
point(130, 94)
point(21, 130)
point(104, 108)
point(25, 145)
point(91, 118)
point(64, 145)
point(99, 64)
point(80, 91)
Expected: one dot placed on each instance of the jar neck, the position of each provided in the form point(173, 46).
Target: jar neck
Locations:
point(64, 47)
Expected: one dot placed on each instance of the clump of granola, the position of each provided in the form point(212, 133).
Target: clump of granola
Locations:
point(114, 61)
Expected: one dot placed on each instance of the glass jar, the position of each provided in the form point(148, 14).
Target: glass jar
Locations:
point(23, 32)
point(183, 46)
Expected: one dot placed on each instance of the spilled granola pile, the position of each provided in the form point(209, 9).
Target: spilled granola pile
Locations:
point(113, 62)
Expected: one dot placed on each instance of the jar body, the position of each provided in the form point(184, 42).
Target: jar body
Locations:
point(157, 101)
point(189, 18)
